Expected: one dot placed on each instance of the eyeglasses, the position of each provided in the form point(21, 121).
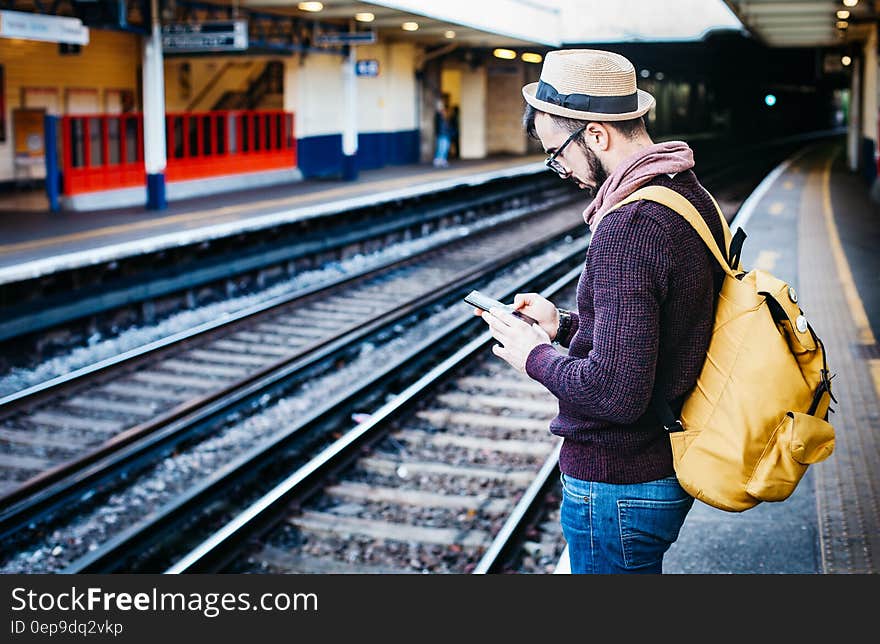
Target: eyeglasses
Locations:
point(551, 161)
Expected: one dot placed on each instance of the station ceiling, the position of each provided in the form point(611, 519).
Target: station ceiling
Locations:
point(388, 22)
point(525, 24)
point(806, 23)
point(520, 23)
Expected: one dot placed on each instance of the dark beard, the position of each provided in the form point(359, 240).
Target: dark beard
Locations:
point(600, 175)
point(597, 170)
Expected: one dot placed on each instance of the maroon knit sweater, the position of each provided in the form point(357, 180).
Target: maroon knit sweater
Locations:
point(645, 308)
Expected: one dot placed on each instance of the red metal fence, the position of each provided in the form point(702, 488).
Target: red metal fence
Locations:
point(104, 152)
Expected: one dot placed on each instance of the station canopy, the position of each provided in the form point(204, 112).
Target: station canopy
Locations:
point(807, 23)
point(519, 23)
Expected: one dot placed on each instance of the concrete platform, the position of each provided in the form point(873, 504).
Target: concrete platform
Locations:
point(811, 223)
point(37, 242)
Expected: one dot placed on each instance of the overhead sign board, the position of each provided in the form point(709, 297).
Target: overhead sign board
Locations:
point(36, 26)
point(216, 35)
point(347, 38)
point(367, 67)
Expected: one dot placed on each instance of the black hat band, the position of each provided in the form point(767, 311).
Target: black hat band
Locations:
point(587, 103)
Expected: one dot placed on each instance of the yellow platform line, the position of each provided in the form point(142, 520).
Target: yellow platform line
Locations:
point(874, 366)
point(190, 219)
point(853, 300)
point(856, 306)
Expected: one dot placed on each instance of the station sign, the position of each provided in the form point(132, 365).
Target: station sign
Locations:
point(36, 26)
point(367, 67)
point(347, 38)
point(215, 35)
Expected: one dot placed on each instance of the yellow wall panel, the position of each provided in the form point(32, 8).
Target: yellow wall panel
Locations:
point(504, 131)
point(109, 62)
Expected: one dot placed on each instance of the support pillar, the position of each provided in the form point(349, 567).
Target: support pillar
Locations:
point(350, 127)
point(854, 124)
point(155, 158)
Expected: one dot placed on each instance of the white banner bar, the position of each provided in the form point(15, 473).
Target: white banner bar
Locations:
point(35, 26)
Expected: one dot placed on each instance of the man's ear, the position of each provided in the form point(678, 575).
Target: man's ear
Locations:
point(598, 136)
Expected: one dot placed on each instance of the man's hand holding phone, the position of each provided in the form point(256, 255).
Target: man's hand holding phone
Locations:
point(485, 303)
point(540, 309)
point(530, 307)
point(517, 332)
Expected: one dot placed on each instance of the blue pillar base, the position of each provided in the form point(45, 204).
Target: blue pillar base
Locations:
point(156, 192)
point(349, 167)
point(53, 172)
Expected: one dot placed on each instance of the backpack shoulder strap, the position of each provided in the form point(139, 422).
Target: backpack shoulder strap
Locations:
point(734, 244)
point(674, 201)
point(725, 228)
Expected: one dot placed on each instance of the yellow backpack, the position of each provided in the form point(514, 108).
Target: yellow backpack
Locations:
point(757, 417)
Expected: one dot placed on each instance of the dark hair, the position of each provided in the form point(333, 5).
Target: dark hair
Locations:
point(629, 128)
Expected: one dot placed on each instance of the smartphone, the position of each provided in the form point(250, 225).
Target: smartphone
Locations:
point(485, 302)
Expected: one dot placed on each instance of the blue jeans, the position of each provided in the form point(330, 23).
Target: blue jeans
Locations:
point(442, 152)
point(616, 529)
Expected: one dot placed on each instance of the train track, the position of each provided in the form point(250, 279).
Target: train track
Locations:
point(542, 543)
point(192, 505)
point(443, 479)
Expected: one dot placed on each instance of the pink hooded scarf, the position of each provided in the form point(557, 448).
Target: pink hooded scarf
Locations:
point(635, 171)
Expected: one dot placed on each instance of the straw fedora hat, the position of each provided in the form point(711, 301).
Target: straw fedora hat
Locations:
point(588, 84)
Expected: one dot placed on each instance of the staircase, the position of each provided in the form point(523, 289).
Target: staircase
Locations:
point(231, 74)
point(266, 91)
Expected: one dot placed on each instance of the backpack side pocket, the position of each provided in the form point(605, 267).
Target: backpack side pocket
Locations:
point(798, 441)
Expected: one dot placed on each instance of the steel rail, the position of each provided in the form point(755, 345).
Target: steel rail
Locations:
point(510, 534)
point(216, 549)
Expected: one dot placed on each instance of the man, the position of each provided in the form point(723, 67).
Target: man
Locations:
point(645, 306)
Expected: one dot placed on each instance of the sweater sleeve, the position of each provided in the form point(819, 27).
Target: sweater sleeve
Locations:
point(629, 269)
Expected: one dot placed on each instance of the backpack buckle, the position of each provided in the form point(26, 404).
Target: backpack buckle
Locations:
point(826, 382)
point(675, 427)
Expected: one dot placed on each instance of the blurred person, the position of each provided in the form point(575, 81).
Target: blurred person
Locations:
point(454, 143)
point(645, 307)
point(443, 133)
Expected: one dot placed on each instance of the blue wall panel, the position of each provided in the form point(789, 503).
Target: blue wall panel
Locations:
point(372, 150)
point(404, 147)
point(321, 156)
